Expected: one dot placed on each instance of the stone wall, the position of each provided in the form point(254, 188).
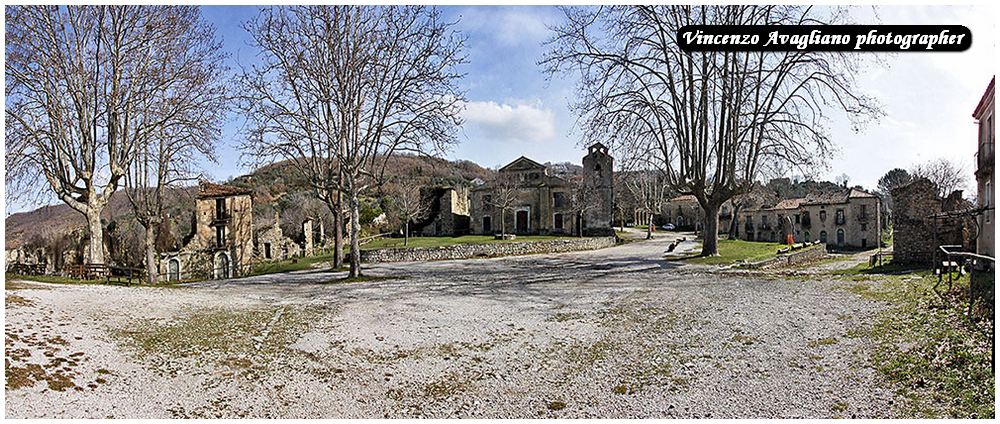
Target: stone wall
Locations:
point(916, 234)
point(795, 257)
point(465, 251)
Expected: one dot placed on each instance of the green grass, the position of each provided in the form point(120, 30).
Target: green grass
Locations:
point(939, 361)
point(395, 243)
point(731, 251)
point(294, 264)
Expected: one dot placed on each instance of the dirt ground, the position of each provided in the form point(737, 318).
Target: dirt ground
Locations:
point(617, 332)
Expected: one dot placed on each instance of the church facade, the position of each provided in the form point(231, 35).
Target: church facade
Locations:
point(547, 204)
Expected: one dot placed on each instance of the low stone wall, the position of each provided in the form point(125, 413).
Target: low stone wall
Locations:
point(795, 257)
point(466, 251)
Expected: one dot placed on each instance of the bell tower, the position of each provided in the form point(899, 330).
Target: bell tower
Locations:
point(598, 191)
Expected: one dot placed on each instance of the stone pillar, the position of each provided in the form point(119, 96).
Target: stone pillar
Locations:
point(307, 231)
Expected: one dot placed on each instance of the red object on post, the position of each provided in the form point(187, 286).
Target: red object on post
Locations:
point(789, 240)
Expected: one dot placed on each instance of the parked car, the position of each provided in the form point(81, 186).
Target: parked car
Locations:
point(668, 227)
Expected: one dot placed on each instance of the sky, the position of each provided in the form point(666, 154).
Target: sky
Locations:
point(513, 109)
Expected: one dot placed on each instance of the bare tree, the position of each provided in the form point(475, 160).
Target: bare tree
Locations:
point(649, 191)
point(408, 205)
point(340, 89)
point(714, 119)
point(503, 196)
point(946, 175)
point(87, 86)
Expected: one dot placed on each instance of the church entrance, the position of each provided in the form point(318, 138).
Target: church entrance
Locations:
point(521, 221)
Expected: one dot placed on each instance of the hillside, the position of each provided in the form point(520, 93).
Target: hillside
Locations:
point(277, 188)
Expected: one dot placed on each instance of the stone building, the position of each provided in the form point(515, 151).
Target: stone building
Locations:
point(221, 241)
point(984, 172)
point(447, 214)
point(273, 245)
point(845, 219)
point(546, 204)
point(685, 213)
point(921, 222)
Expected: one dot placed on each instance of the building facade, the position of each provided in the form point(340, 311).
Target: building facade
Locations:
point(220, 245)
point(548, 204)
point(847, 219)
point(984, 115)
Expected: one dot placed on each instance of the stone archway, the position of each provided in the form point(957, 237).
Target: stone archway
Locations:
point(222, 266)
point(173, 269)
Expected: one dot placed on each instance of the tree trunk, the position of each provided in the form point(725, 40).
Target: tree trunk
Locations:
point(710, 232)
point(151, 273)
point(503, 226)
point(338, 233)
point(406, 233)
point(96, 243)
point(649, 227)
point(355, 205)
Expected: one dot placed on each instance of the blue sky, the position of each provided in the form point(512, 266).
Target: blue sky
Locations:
point(514, 111)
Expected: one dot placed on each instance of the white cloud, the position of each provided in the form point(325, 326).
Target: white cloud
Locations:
point(518, 122)
point(510, 26)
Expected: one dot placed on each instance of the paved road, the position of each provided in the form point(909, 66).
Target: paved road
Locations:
point(617, 332)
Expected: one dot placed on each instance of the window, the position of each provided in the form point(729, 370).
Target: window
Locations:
point(840, 217)
point(220, 236)
point(559, 199)
point(534, 175)
point(808, 238)
point(558, 221)
point(822, 215)
point(220, 208)
point(798, 218)
point(487, 202)
point(864, 211)
point(864, 227)
point(822, 236)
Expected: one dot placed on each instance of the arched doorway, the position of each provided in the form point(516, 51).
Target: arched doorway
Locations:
point(222, 266)
point(822, 236)
point(840, 237)
point(173, 270)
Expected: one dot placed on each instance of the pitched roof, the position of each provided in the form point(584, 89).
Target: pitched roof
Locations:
point(787, 204)
point(986, 100)
point(826, 198)
point(522, 163)
point(207, 189)
point(855, 193)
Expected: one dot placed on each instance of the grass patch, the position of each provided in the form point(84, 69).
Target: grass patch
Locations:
point(731, 251)
point(397, 243)
point(246, 337)
point(293, 264)
point(924, 343)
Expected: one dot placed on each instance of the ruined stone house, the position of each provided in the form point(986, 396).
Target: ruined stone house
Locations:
point(447, 212)
point(545, 202)
point(273, 245)
point(921, 222)
point(221, 241)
